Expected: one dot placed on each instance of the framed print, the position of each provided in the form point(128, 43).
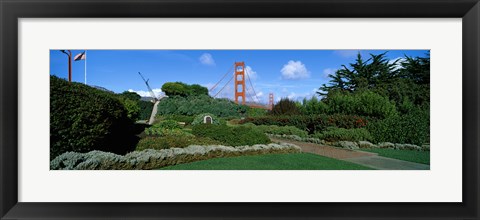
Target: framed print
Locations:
point(227, 109)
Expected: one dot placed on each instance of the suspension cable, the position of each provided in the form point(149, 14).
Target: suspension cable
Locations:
point(214, 86)
point(248, 76)
point(223, 86)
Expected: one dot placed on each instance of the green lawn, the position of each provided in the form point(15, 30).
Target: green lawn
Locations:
point(407, 155)
point(299, 161)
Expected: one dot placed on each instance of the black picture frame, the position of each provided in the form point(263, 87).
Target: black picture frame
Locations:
point(12, 10)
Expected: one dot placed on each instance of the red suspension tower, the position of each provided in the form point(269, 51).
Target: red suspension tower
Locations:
point(240, 81)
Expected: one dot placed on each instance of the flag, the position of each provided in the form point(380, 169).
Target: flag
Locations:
point(80, 56)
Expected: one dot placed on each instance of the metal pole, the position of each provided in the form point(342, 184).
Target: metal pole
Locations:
point(69, 66)
point(85, 67)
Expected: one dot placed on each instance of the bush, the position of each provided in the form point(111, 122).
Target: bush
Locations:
point(199, 119)
point(314, 106)
point(364, 103)
point(282, 130)
point(158, 131)
point(311, 123)
point(411, 128)
point(173, 141)
point(146, 109)
point(180, 118)
point(83, 119)
point(231, 136)
point(133, 110)
point(285, 107)
point(168, 124)
point(151, 159)
point(342, 134)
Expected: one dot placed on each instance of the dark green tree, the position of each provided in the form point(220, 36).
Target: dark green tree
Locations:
point(285, 107)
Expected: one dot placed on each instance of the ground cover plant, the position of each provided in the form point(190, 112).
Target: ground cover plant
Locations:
point(407, 155)
point(302, 161)
point(150, 158)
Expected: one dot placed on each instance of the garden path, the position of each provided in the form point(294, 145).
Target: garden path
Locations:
point(359, 157)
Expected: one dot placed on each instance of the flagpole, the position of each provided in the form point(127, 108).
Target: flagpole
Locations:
point(85, 67)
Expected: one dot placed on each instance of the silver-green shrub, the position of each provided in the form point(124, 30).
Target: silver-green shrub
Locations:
point(151, 159)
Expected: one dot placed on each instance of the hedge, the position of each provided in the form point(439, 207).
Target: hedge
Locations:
point(311, 123)
point(151, 159)
point(83, 119)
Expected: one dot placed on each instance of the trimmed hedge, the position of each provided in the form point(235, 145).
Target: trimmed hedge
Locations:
point(311, 123)
point(151, 159)
point(342, 134)
point(83, 119)
point(411, 128)
point(232, 136)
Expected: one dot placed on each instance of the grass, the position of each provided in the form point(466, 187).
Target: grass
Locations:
point(407, 155)
point(300, 161)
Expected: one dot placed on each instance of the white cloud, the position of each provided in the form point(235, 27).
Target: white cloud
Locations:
point(251, 73)
point(207, 59)
point(328, 71)
point(158, 92)
point(399, 60)
point(294, 70)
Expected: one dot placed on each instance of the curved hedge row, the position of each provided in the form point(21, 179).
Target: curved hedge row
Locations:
point(150, 159)
point(83, 118)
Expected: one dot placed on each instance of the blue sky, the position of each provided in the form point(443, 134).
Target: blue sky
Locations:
point(286, 73)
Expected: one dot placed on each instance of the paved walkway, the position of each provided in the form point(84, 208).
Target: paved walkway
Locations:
point(359, 157)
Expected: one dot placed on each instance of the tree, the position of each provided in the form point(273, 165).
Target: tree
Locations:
point(285, 107)
point(130, 95)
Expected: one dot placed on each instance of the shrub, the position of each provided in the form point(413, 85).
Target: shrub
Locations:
point(133, 110)
point(282, 130)
point(311, 123)
point(157, 131)
point(180, 118)
point(411, 128)
point(151, 159)
point(232, 136)
point(342, 134)
point(285, 107)
point(199, 119)
point(314, 106)
point(173, 141)
point(364, 103)
point(83, 119)
point(169, 124)
point(146, 109)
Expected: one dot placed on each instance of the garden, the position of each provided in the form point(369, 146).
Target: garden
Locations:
point(372, 106)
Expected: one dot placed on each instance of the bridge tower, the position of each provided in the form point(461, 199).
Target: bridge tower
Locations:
point(240, 82)
point(270, 101)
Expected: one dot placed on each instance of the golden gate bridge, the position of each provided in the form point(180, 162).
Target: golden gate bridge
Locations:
point(241, 75)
